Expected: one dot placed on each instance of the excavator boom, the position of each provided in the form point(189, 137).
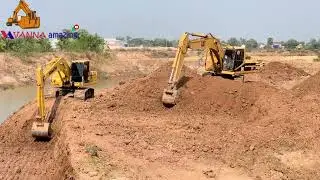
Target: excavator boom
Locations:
point(68, 78)
point(214, 53)
point(227, 61)
point(30, 21)
point(41, 128)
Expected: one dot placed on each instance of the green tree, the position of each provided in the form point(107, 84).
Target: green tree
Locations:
point(243, 41)
point(136, 42)
point(2, 45)
point(270, 41)
point(28, 45)
point(233, 42)
point(85, 42)
point(313, 44)
point(291, 44)
point(120, 38)
point(251, 44)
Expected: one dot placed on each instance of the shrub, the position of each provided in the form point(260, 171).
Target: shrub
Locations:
point(86, 42)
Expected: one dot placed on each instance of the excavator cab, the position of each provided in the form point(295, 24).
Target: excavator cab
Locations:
point(80, 71)
point(81, 76)
point(235, 64)
point(233, 58)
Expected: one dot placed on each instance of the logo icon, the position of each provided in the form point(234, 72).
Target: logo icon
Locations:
point(6, 35)
point(29, 21)
point(75, 28)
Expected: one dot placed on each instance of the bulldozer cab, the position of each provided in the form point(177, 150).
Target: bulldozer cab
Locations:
point(233, 58)
point(80, 71)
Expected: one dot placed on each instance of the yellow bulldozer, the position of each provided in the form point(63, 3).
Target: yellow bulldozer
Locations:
point(226, 61)
point(29, 21)
point(70, 78)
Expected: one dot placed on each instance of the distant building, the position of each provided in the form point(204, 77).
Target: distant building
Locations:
point(277, 45)
point(114, 43)
point(262, 46)
point(54, 43)
point(300, 46)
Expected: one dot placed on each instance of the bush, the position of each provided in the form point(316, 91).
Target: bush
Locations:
point(86, 42)
point(24, 47)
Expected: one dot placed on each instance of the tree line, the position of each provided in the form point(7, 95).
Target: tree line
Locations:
point(24, 46)
point(95, 43)
point(313, 44)
point(157, 42)
point(249, 43)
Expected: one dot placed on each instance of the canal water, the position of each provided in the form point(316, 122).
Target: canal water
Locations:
point(12, 100)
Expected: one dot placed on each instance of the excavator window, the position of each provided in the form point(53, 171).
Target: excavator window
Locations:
point(233, 58)
point(78, 71)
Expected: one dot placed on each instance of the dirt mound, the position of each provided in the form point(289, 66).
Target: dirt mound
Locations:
point(311, 85)
point(22, 157)
point(277, 71)
point(250, 127)
point(218, 125)
point(197, 94)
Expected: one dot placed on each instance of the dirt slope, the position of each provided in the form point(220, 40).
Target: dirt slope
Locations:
point(219, 129)
point(249, 130)
point(309, 86)
point(278, 71)
point(282, 75)
point(23, 158)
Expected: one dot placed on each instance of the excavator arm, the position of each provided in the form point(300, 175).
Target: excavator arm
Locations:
point(41, 128)
point(21, 6)
point(26, 22)
point(214, 57)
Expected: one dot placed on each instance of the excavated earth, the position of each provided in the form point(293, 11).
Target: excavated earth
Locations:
point(219, 129)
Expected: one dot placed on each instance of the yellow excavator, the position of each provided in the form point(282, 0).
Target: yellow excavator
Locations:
point(29, 21)
point(226, 61)
point(68, 78)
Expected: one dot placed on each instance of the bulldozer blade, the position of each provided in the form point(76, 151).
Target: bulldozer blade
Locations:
point(169, 97)
point(41, 130)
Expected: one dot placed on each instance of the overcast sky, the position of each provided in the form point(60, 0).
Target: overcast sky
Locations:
point(259, 19)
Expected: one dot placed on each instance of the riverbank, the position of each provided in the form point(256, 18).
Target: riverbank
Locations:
point(17, 76)
point(219, 129)
point(17, 71)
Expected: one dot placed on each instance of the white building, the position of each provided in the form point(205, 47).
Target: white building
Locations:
point(53, 43)
point(114, 43)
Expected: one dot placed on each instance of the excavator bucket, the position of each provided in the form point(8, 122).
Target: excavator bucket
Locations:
point(41, 130)
point(84, 94)
point(169, 97)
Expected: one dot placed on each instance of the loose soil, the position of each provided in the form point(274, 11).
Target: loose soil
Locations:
point(219, 129)
point(22, 157)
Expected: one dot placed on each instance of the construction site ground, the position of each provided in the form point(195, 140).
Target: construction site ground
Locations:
point(265, 128)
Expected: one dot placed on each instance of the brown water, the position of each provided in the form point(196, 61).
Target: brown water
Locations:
point(12, 100)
